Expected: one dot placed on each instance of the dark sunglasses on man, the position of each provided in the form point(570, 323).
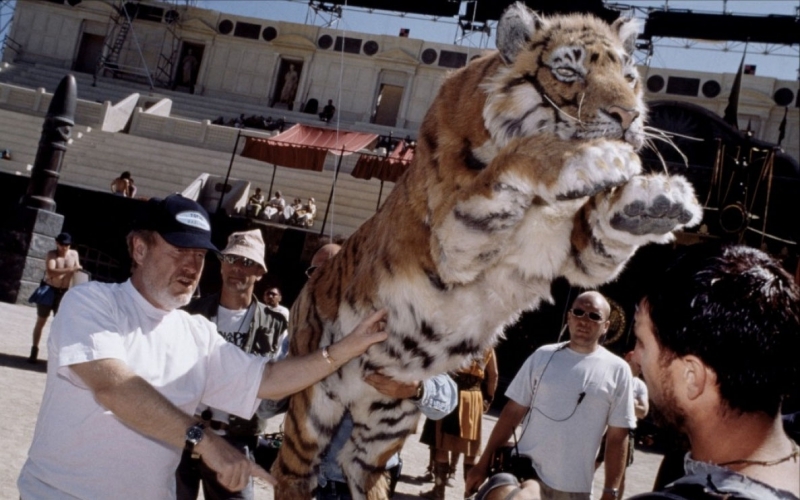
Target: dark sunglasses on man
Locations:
point(593, 316)
point(235, 259)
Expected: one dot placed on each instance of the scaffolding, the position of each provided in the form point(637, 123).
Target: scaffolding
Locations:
point(326, 14)
point(171, 44)
point(121, 30)
point(6, 17)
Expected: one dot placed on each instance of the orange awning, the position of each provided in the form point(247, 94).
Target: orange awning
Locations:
point(304, 147)
point(387, 169)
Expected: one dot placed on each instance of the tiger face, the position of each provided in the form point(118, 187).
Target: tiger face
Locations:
point(573, 76)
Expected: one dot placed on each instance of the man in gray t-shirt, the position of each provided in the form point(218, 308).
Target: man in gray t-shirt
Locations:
point(565, 396)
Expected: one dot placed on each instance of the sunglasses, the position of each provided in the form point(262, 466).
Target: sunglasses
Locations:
point(311, 270)
point(235, 259)
point(579, 313)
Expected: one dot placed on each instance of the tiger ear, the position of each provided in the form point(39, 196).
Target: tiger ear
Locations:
point(627, 30)
point(515, 29)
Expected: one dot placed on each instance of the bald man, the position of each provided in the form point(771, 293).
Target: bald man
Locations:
point(572, 392)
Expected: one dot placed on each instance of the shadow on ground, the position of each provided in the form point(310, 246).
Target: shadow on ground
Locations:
point(21, 363)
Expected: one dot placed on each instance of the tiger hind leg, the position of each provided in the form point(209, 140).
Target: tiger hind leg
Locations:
point(379, 431)
point(311, 422)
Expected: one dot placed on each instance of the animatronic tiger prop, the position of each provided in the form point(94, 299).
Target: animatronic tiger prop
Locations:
point(525, 170)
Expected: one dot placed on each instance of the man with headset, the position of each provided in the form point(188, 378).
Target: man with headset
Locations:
point(566, 395)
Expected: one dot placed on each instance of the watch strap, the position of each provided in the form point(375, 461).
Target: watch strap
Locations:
point(192, 441)
point(614, 492)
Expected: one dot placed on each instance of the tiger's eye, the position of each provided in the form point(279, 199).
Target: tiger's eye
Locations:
point(566, 72)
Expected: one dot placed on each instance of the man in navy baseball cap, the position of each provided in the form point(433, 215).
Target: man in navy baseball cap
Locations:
point(129, 368)
point(182, 222)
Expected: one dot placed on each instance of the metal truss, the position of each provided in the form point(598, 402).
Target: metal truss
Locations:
point(323, 14)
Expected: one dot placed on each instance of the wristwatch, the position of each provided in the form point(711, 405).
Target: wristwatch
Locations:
point(420, 391)
point(194, 435)
point(614, 492)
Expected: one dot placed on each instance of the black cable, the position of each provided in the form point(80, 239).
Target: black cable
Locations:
point(548, 417)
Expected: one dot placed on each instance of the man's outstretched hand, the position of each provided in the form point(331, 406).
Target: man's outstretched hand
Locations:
point(233, 468)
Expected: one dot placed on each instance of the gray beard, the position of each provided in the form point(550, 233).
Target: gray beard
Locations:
point(166, 300)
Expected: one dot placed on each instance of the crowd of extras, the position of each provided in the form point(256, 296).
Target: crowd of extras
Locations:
point(275, 209)
point(156, 391)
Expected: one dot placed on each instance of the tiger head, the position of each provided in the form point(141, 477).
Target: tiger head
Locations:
point(572, 76)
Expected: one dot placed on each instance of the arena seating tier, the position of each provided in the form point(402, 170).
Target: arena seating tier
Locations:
point(160, 168)
point(184, 105)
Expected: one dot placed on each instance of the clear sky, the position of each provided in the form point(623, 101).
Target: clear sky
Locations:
point(783, 63)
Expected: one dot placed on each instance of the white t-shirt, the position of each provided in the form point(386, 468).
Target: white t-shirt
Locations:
point(639, 390)
point(277, 202)
point(81, 450)
point(282, 310)
point(563, 452)
point(234, 326)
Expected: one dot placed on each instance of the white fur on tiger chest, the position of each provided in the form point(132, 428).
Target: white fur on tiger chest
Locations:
point(476, 312)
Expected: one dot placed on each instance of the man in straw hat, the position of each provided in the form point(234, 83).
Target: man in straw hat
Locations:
point(247, 323)
point(127, 369)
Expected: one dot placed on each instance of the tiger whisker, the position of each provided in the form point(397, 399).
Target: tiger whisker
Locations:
point(543, 128)
point(668, 140)
point(562, 111)
point(652, 145)
point(664, 138)
point(672, 134)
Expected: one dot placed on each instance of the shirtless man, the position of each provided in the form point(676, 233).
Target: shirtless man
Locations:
point(123, 185)
point(62, 263)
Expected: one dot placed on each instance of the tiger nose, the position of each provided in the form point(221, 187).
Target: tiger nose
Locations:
point(624, 116)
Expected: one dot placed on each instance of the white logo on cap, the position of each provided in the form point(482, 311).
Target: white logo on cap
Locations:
point(194, 219)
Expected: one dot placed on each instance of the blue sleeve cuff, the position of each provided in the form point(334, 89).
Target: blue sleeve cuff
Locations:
point(439, 398)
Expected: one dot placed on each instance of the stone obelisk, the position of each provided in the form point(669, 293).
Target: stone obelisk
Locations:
point(25, 243)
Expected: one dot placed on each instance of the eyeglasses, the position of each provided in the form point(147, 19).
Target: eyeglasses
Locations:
point(272, 294)
point(311, 270)
point(235, 259)
point(593, 316)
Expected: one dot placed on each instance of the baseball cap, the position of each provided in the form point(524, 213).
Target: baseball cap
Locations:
point(180, 221)
point(247, 244)
point(64, 239)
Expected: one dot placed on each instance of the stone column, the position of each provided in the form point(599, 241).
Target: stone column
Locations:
point(25, 241)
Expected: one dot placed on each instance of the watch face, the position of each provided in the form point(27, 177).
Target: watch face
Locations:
point(194, 434)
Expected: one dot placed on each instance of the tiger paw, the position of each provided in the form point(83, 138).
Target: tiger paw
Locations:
point(594, 168)
point(653, 206)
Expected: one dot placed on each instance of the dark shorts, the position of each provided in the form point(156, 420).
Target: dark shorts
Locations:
point(44, 311)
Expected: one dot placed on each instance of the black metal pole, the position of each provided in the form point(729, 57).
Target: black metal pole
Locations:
point(380, 193)
point(330, 197)
point(230, 166)
point(272, 181)
point(56, 132)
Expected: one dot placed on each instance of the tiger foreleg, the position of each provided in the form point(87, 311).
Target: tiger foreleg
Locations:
point(472, 235)
point(612, 225)
point(379, 431)
point(311, 421)
point(593, 167)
